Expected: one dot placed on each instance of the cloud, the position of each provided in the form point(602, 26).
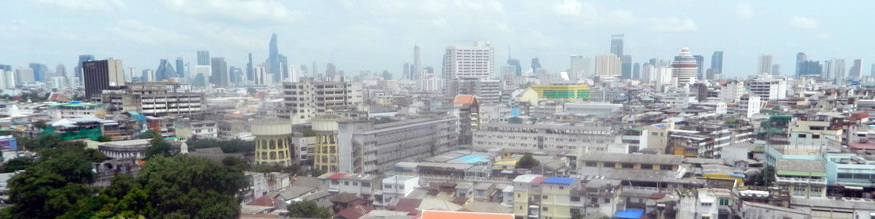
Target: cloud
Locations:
point(574, 12)
point(744, 11)
point(673, 24)
point(236, 10)
point(85, 5)
point(140, 32)
point(803, 22)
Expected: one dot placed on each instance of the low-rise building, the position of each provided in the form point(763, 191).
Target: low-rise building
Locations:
point(362, 185)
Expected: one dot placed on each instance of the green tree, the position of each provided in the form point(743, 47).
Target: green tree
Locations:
point(766, 177)
point(149, 134)
point(190, 187)
point(308, 209)
point(235, 163)
point(40, 125)
point(527, 161)
point(40, 193)
point(158, 147)
point(18, 163)
point(308, 132)
point(251, 91)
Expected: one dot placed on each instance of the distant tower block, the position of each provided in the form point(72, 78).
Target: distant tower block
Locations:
point(273, 140)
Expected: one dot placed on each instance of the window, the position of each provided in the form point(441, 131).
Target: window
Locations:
point(346, 183)
point(544, 197)
point(590, 163)
point(611, 165)
point(647, 166)
point(706, 204)
point(545, 208)
point(724, 202)
point(575, 198)
point(801, 135)
point(366, 184)
point(387, 186)
point(334, 182)
point(628, 165)
point(815, 136)
point(665, 167)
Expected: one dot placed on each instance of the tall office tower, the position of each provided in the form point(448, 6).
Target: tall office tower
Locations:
point(700, 61)
point(636, 71)
point(684, 68)
point(219, 74)
point(580, 68)
point(417, 65)
point(78, 70)
point(765, 64)
point(838, 69)
point(294, 73)
point(148, 75)
point(165, 71)
point(617, 45)
point(40, 71)
point(607, 65)
point(330, 71)
point(273, 57)
point(872, 70)
point(23, 75)
point(180, 67)
point(474, 61)
point(250, 71)
point(235, 75)
point(800, 59)
point(776, 69)
point(100, 75)
point(284, 67)
point(407, 73)
point(430, 70)
point(518, 69)
point(129, 75)
point(315, 71)
point(626, 66)
point(61, 70)
point(7, 68)
point(4, 84)
point(827, 70)
point(717, 62)
point(856, 72)
point(536, 64)
point(203, 57)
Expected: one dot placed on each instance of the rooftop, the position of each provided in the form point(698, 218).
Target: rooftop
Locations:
point(633, 158)
point(429, 214)
point(800, 167)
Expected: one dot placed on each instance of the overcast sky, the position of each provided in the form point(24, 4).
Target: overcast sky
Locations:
point(379, 35)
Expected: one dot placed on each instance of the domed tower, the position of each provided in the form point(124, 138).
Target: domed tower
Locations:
point(684, 68)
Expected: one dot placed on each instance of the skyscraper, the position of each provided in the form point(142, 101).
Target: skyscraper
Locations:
point(219, 75)
point(330, 71)
point(684, 68)
point(608, 65)
point(700, 61)
point(800, 59)
point(82, 58)
point(617, 45)
point(580, 68)
point(250, 70)
point(838, 69)
point(764, 64)
point(203, 57)
point(626, 66)
point(636, 71)
point(473, 62)
point(23, 75)
point(273, 57)
point(61, 70)
point(717, 62)
point(100, 75)
point(518, 69)
point(856, 72)
point(407, 73)
point(417, 65)
point(7, 68)
point(164, 71)
point(180, 67)
point(235, 75)
point(536, 64)
point(148, 75)
point(39, 71)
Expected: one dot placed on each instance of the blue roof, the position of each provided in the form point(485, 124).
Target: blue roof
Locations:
point(558, 180)
point(631, 213)
point(473, 159)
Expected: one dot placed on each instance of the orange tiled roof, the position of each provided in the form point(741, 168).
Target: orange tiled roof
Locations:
point(464, 99)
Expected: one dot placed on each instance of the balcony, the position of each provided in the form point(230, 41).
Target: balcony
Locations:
point(798, 181)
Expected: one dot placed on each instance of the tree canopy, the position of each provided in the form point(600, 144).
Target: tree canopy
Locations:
point(527, 161)
point(228, 146)
point(308, 209)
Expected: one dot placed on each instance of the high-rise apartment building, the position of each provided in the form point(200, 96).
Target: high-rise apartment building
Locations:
point(764, 64)
point(626, 66)
point(250, 69)
point(40, 71)
point(856, 72)
point(608, 65)
point(308, 98)
point(219, 75)
point(768, 87)
point(684, 68)
point(100, 75)
point(180, 67)
point(475, 61)
point(717, 62)
point(580, 68)
point(617, 45)
point(417, 65)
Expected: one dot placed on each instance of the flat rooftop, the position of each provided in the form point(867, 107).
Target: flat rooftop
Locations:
point(633, 158)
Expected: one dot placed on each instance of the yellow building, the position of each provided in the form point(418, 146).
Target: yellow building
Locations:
point(562, 91)
point(325, 154)
point(273, 140)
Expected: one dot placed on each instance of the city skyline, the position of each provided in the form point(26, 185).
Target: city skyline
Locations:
point(125, 30)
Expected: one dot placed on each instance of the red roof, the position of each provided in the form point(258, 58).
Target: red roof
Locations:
point(464, 99)
point(264, 201)
point(355, 212)
point(408, 205)
point(863, 146)
point(337, 176)
point(538, 180)
point(657, 196)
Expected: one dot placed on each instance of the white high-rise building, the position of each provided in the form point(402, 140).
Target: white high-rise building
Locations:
point(471, 62)
point(764, 64)
point(608, 65)
point(837, 69)
point(580, 68)
point(731, 91)
point(4, 83)
point(684, 68)
point(261, 76)
point(768, 87)
point(23, 76)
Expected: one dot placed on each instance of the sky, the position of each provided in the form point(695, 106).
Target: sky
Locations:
point(379, 35)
